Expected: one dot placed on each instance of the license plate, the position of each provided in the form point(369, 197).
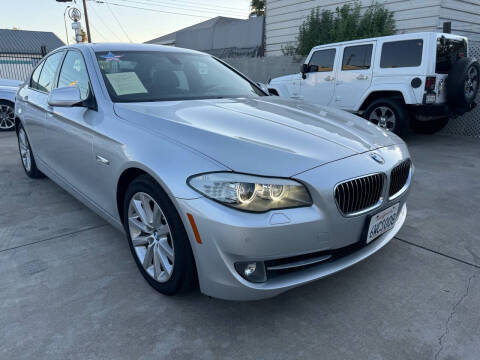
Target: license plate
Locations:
point(382, 222)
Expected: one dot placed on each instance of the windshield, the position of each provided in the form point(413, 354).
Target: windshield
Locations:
point(136, 76)
point(448, 52)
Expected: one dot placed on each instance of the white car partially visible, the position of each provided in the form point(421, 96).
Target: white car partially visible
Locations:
point(8, 90)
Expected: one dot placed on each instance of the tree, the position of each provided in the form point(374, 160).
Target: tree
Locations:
point(343, 24)
point(258, 7)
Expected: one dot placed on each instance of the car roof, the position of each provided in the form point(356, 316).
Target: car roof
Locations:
point(391, 37)
point(100, 47)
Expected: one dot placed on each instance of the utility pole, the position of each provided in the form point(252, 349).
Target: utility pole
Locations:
point(89, 37)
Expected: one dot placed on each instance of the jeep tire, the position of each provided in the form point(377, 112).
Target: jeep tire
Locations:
point(463, 84)
point(389, 114)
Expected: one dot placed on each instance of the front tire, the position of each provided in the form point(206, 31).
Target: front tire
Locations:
point(157, 238)
point(7, 116)
point(389, 114)
point(26, 155)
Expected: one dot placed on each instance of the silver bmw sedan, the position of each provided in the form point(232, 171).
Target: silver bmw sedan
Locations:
point(213, 181)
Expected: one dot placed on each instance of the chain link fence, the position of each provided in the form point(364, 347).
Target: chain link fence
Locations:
point(468, 124)
point(16, 65)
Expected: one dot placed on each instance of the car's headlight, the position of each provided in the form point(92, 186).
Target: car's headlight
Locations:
point(251, 193)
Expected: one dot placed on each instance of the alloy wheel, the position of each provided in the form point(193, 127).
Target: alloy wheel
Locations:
point(151, 237)
point(471, 82)
point(7, 117)
point(383, 117)
point(25, 152)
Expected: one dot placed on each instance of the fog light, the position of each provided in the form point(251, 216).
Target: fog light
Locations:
point(252, 271)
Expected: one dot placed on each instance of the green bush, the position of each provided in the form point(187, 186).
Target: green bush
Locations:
point(343, 24)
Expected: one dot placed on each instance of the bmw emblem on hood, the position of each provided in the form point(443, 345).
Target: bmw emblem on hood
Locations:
point(377, 157)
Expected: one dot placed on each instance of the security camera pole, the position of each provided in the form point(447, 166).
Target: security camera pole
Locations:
point(87, 23)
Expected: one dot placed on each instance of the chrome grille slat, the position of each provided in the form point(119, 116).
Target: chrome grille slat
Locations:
point(356, 195)
point(399, 177)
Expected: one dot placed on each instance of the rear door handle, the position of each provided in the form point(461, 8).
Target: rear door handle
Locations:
point(329, 78)
point(362, 77)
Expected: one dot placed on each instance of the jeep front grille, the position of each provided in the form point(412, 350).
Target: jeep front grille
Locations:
point(358, 195)
point(399, 178)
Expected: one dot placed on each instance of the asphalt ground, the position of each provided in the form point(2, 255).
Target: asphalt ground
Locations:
point(69, 287)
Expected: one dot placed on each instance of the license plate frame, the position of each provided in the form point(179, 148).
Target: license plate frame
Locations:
point(380, 218)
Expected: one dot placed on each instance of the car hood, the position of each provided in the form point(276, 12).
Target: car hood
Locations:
point(264, 136)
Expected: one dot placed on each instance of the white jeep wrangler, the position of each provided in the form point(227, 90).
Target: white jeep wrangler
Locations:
point(411, 80)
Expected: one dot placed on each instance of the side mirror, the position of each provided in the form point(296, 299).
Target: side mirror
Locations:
point(65, 96)
point(304, 69)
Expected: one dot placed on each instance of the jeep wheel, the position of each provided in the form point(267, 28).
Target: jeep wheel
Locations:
point(463, 84)
point(429, 127)
point(390, 115)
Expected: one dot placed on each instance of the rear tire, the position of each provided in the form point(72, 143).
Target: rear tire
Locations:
point(389, 114)
point(160, 244)
point(26, 154)
point(429, 127)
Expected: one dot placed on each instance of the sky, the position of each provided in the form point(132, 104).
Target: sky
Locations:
point(107, 20)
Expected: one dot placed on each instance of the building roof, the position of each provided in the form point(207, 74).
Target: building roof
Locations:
point(220, 36)
point(170, 39)
point(23, 41)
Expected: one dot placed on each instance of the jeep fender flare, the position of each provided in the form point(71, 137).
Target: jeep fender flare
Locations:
point(389, 90)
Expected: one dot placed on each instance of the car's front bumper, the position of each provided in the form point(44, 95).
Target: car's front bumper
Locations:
point(230, 236)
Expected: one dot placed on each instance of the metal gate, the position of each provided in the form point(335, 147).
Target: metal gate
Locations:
point(18, 65)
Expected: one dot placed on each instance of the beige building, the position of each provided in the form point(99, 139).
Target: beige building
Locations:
point(284, 17)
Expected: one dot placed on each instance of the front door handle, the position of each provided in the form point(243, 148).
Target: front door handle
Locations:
point(329, 78)
point(102, 160)
point(362, 77)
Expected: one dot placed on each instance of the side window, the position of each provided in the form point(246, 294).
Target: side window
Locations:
point(49, 69)
point(35, 76)
point(357, 57)
point(74, 73)
point(322, 61)
point(398, 54)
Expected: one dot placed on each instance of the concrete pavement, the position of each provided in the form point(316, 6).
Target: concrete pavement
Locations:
point(70, 288)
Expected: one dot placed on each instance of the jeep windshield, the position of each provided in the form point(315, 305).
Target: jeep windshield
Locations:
point(448, 52)
point(137, 76)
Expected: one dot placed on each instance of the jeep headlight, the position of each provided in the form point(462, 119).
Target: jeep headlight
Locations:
point(251, 193)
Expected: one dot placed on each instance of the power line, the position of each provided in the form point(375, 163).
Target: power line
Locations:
point(105, 24)
point(155, 10)
point(200, 5)
point(98, 32)
point(118, 22)
point(212, 11)
point(218, 9)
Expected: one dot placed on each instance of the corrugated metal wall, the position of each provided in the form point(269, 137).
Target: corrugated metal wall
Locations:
point(464, 15)
point(284, 17)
